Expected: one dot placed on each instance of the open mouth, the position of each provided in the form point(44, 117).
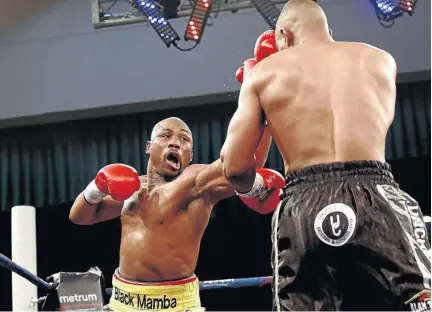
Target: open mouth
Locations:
point(173, 159)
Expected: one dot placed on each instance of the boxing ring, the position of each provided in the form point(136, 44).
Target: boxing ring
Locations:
point(25, 283)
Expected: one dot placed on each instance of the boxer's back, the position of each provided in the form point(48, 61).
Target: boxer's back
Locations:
point(328, 102)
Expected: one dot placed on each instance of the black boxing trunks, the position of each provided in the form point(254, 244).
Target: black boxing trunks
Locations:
point(345, 237)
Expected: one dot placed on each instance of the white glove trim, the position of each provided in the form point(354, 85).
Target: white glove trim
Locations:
point(256, 189)
point(92, 194)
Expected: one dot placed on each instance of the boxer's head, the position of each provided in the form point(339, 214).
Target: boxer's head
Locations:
point(170, 147)
point(301, 21)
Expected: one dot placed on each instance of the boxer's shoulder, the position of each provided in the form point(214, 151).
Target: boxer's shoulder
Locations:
point(366, 49)
point(198, 168)
point(190, 177)
point(271, 66)
point(195, 168)
point(376, 58)
point(191, 172)
point(383, 56)
point(257, 75)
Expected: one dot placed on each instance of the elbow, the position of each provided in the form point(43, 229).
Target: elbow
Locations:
point(72, 215)
point(80, 221)
point(77, 219)
point(234, 174)
point(234, 168)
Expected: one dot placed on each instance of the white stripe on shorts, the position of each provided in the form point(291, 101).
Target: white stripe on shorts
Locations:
point(276, 256)
point(399, 205)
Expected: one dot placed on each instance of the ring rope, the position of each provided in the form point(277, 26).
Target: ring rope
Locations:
point(9, 264)
point(204, 285)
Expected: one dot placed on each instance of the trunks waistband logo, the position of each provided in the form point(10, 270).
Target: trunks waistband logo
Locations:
point(143, 301)
point(421, 301)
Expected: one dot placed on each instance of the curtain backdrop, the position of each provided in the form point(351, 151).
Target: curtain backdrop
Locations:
point(410, 133)
point(50, 164)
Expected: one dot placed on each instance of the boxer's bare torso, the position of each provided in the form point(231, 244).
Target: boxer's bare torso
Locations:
point(162, 223)
point(161, 232)
point(327, 102)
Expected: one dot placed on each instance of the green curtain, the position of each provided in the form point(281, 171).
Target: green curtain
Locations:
point(50, 164)
point(410, 133)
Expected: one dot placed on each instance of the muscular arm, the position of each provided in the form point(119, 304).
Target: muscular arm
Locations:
point(390, 64)
point(243, 135)
point(211, 179)
point(263, 148)
point(83, 213)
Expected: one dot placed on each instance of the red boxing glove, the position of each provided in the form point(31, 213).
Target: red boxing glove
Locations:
point(243, 71)
point(264, 196)
point(240, 74)
point(118, 180)
point(265, 45)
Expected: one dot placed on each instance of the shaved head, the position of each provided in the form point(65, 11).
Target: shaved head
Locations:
point(301, 18)
point(170, 148)
point(162, 123)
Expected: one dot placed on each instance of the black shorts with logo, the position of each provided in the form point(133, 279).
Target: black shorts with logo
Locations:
point(345, 237)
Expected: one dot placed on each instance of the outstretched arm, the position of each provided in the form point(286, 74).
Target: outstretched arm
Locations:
point(211, 180)
point(244, 131)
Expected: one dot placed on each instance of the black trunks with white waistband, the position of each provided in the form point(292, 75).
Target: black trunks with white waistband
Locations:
point(346, 237)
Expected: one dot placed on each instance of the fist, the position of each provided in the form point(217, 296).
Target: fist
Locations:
point(118, 180)
point(243, 71)
point(269, 196)
point(265, 45)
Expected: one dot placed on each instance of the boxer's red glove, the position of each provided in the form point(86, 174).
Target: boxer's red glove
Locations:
point(243, 71)
point(265, 45)
point(118, 180)
point(264, 196)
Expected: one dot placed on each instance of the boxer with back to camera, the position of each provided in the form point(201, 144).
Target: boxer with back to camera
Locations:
point(345, 236)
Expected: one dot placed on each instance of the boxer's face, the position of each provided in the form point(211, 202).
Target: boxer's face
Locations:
point(170, 149)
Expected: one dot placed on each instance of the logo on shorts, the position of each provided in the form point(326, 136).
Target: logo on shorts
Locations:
point(335, 224)
point(421, 301)
point(144, 302)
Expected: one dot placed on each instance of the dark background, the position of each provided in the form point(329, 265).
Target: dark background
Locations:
point(235, 244)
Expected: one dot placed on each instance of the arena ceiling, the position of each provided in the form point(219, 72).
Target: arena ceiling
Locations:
point(13, 12)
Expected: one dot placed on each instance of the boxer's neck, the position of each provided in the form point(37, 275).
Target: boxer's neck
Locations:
point(154, 179)
point(312, 36)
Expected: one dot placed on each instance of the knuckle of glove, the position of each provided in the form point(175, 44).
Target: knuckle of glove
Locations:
point(265, 45)
point(272, 178)
point(269, 198)
point(240, 74)
point(249, 64)
point(243, 71)
point(118, 180)
point(101, 182)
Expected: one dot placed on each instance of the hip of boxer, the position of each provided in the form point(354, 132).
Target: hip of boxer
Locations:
point(177, 295)
point(345, 237)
